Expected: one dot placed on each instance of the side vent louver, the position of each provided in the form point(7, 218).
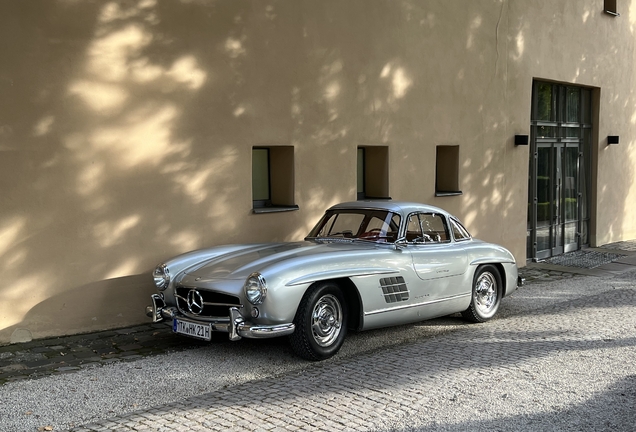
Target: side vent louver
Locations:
point(394, 289)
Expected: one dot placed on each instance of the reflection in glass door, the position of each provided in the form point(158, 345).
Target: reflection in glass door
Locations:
point(558, 214)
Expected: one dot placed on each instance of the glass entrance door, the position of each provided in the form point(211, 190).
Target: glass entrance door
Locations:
point(559, 174)
point(557, 209)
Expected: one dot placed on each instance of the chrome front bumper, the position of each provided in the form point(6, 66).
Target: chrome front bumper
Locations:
point(237, 327)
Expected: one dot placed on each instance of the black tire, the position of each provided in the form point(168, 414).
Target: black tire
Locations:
point(486, 294)
point(321, 322)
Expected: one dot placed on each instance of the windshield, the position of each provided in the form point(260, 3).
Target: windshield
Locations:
point(372, 225)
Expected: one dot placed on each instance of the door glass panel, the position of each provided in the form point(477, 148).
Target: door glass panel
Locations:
point(543, 198)
point(557, 203)
point(572, 132)
point(544, 102)
point(543, 186)
point(546, 131)
point(570, 194)
point(572, 105)
point(570, 233)
point(557, 238)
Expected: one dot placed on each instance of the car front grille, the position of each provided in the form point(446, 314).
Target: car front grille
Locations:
point(203, 303)
point(394, 289)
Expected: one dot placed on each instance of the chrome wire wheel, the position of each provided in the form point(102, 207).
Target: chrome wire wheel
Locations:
point(326, 320)
point(486, 293)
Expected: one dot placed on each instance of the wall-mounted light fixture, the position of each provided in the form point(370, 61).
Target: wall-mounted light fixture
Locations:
point(521, 139)
point(612, 139)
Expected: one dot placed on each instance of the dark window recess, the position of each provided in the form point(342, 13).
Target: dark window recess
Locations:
point(610, 8)
point(273, 179)
point(447, 171)
point(373, 172)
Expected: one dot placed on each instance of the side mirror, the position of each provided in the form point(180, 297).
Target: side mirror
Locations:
point(400, 243)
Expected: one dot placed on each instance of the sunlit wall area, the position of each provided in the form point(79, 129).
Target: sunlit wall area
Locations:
point(128, 129)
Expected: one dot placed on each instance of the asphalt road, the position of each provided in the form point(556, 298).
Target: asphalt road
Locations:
point(560, 355)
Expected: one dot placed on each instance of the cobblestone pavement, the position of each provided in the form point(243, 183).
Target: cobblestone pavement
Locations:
point(560, 363)
point(559, 356)
point(62, 355)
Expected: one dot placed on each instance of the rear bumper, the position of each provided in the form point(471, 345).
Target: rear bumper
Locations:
point(236, 327)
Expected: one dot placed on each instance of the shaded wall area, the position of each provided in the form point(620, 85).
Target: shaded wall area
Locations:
point(126, 128)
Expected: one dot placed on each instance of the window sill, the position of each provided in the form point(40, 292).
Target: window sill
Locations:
point(448, 193)
point(275, 209)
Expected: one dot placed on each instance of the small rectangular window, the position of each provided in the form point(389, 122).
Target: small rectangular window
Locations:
point(447, 171)
point(273, 179)
point(373, 172)
point(610, 7)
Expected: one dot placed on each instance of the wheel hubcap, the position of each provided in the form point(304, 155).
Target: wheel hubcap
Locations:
point(486, 292)
point(326, 320)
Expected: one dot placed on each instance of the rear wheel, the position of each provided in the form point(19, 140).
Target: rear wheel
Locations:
point(486, 295)
point(320, 321)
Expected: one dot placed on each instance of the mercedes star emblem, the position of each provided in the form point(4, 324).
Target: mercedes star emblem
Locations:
point(195, 302)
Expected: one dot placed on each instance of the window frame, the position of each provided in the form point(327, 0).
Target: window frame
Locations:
point(375, 172)
point(447, 171)
point(281, 180)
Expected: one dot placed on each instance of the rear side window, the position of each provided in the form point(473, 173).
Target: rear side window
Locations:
point(459, 232)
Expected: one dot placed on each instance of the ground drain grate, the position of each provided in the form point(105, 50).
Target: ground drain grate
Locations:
point(584, 259)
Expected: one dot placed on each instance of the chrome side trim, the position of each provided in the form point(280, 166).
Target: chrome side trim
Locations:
point(391, 309)
point(311, 278)
point(491, 260)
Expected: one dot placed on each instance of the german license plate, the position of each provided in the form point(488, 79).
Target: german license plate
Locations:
point(192, 329)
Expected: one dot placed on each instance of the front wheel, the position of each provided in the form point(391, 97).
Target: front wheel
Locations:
point(321, 321)
point(486, 294)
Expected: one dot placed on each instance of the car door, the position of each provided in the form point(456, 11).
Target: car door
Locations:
point(438, 261)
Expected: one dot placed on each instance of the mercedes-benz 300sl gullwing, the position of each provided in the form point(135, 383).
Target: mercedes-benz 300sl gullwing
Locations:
point(365, 265)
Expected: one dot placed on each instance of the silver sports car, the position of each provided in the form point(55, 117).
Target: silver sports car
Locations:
point(366, 264)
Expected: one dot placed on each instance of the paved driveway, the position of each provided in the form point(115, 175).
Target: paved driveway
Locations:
point(561, 355)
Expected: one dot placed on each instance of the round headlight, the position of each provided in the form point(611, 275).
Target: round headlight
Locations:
point(161, 276)
point(255, 288)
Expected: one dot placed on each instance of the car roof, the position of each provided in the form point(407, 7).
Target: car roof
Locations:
point(402, 207)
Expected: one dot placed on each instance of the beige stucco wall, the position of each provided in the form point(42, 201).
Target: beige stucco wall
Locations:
point(126, 128)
